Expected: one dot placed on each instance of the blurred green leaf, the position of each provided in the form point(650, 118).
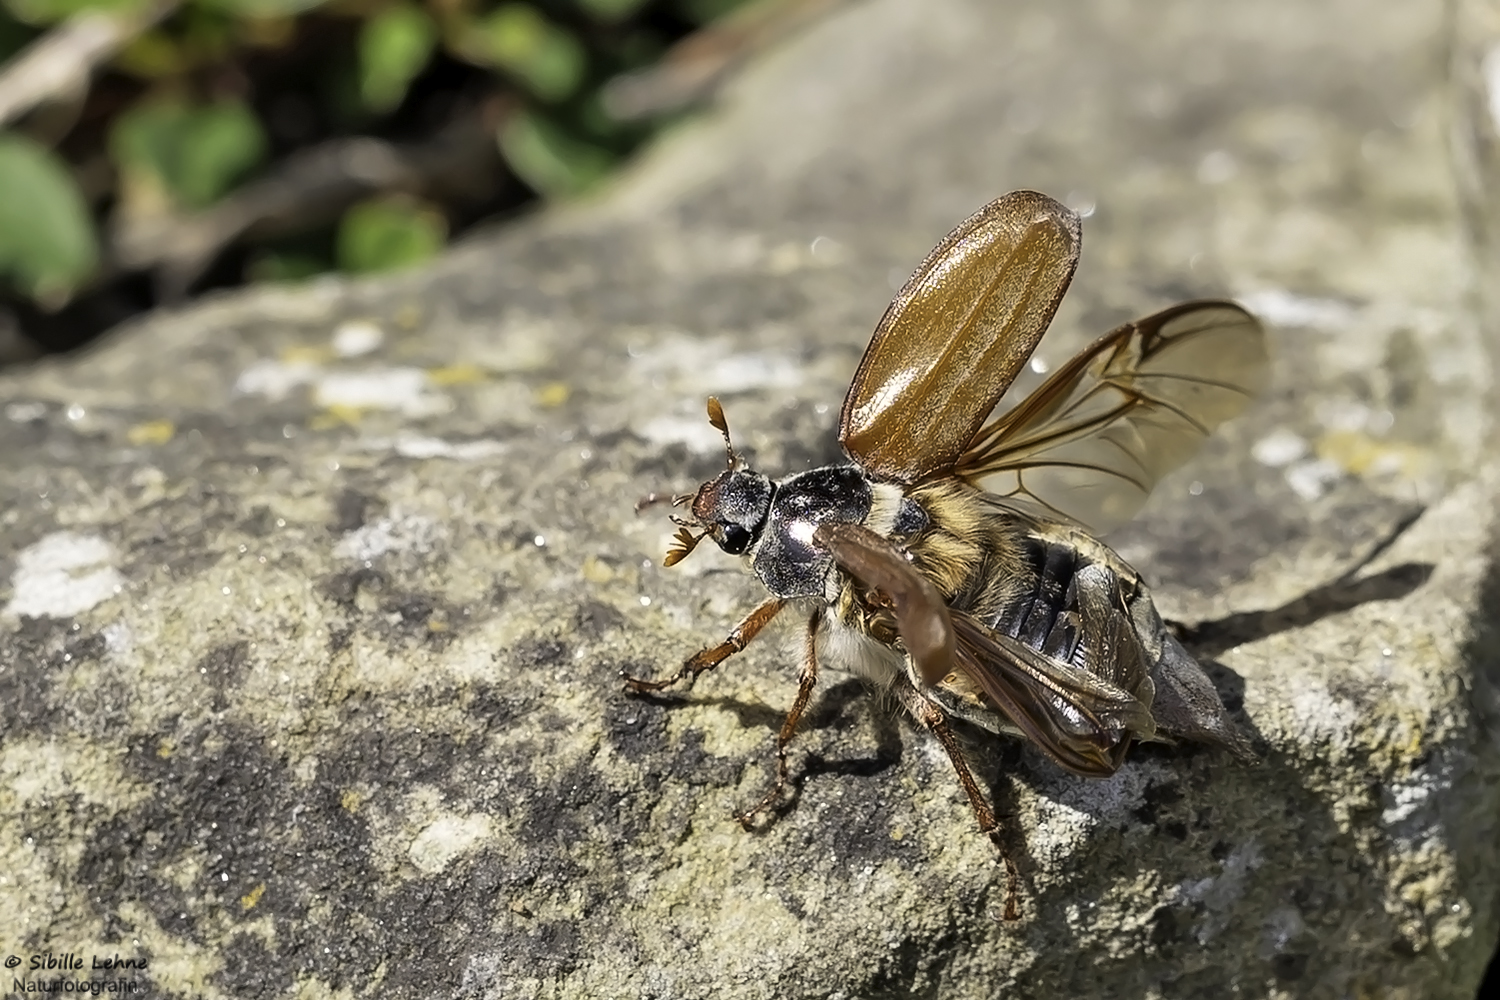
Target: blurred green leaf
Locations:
point(196, 153)
point(152, 55)
point(387, 233)
point(47, 243)
point(394, 46)
point(206, 35)
point(590, 119)
point(550, 160)
point(611, 10)
point(549, 60)
point(48, 11)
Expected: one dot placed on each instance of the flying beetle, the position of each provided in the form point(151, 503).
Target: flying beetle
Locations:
point(954, 562)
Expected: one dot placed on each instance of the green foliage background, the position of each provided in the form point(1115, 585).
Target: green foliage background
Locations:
point(179, 120)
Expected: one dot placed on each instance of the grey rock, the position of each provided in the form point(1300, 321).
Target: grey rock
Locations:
point(312, 601)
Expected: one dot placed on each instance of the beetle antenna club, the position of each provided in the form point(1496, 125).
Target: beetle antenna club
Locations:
point(720, 424)
point(683, 543)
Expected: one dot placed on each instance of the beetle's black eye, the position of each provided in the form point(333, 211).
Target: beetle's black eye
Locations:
point(736, 539)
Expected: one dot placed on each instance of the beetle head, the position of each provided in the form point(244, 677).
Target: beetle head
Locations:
point(731, 508)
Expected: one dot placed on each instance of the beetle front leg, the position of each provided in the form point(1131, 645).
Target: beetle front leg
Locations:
point(706, 659)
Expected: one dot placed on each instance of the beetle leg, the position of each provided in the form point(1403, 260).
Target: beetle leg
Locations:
point(789, 727)
point(931, 717)
point(706, 659)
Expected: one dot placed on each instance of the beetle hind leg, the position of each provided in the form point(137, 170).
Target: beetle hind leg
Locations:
point(932, 718)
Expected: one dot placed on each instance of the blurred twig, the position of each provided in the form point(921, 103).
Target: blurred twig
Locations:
point(313, 188)
point(59, 63)
point(696, 66)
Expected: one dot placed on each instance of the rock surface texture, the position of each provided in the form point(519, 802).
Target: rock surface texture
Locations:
point(313, 601)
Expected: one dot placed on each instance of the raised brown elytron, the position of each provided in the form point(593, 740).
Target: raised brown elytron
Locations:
point(955, 562)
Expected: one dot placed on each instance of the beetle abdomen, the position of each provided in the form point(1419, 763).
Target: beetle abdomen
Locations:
point(1046, 619)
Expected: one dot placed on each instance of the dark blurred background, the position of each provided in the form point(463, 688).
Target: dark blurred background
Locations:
point(151, 150)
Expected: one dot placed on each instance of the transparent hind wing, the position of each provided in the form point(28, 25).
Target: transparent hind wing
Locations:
point(1092, 440)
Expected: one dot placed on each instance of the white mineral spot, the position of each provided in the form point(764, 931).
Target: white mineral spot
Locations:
point(753, 371)
point(1343, 414)
point(274, 379)
point(1278, 448)
point(118, 638)
point(1320, 715)
point(388, 534)
point(25, 413)
point(1282, 308)
point(413, 446)
point(356, 337)
point(712, 365)
point(1405, 798)
point(1039, 364)
point(1311, 479)
point(406, 389)
point(447, 838)
point(421, 446)
point(57, 576)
